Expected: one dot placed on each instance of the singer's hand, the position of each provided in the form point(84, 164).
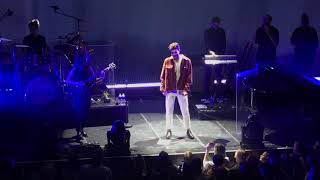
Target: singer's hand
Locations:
point(165, 93)
point(184, 93)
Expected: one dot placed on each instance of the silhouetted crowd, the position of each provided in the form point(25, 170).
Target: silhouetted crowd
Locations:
point(296, 164)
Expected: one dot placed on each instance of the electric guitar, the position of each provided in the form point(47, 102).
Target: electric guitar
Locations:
point(101, 76)
point(96, 79)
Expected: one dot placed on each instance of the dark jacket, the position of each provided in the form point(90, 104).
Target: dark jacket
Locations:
point(168, 75)
point(215, 40)
point(267, 44)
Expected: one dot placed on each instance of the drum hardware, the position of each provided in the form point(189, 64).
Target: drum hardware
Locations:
point(8, 13)
point(77, 39)
point(61, 12)
point(5, 55)
point(21, 46)
point(2, 39)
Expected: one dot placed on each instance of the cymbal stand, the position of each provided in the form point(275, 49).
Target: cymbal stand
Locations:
point(78, 20)
point(61, 75)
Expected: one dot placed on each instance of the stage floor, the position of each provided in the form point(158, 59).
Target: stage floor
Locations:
point(148, 134)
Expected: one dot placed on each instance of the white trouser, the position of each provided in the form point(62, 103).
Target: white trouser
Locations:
point(184, 107)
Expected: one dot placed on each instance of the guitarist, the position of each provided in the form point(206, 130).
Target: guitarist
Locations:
point(80, 78)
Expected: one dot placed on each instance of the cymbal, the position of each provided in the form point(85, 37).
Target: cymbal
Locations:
point(57, 40)
point(22, 46)
point(77, 33)
point(5, 39)
point(69, 44)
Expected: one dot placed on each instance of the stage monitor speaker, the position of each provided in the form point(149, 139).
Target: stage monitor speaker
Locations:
point(105, 113)
point(252, 134)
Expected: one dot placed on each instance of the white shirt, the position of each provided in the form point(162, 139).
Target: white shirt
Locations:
point(177, 63)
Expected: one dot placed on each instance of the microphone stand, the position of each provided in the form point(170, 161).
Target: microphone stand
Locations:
point(56, 10)
point(127, 124)
point(78, 20)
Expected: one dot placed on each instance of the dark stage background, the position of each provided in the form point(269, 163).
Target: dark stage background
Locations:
point(141, 30)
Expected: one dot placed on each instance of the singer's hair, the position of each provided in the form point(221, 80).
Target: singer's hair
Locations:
point(174, 45)
point(34, 23)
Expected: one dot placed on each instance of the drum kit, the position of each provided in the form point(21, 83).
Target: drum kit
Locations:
point(41, 76)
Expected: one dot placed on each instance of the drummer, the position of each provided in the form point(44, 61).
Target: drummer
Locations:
point(37, 43)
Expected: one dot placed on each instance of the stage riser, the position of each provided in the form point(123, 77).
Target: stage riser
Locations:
point(106, 115)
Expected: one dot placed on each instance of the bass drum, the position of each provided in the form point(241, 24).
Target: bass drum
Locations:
point(42, 91)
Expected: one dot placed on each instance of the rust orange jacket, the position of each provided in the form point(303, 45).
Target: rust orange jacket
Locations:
point(168, 75)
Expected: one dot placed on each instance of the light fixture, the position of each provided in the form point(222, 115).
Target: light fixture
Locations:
point(134, 85)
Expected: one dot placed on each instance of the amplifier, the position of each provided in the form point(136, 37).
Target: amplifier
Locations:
point(103, 114)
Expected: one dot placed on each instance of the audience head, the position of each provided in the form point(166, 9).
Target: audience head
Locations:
point(219, 149)
point(188, 156)
point(304, 19)
point(240, 156)
point(163, 160)
point(118, 127)
point(264, 157)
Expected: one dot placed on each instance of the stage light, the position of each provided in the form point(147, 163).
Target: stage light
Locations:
point(314, 80)
point(215, 82)
point(157, 84)
point(317, 78)
point(134, 85)
point(116, 86)
point(223, 81)
point(215, 62)
point(247, 73)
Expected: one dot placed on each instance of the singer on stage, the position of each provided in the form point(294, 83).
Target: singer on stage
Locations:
point(176, 79)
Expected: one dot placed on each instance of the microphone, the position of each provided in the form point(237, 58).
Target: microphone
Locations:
point(55, 7)
point(9, 12)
